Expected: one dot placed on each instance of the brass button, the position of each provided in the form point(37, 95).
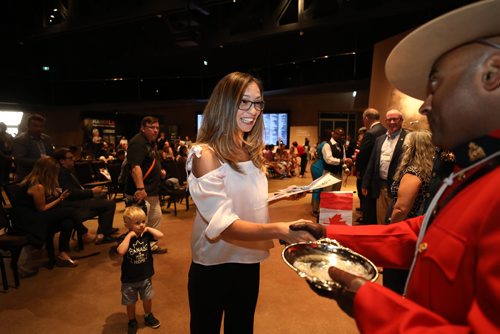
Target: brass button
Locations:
point(461, 177)
point(422, 247)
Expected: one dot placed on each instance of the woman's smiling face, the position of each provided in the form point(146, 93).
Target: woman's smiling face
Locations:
point(246, 118)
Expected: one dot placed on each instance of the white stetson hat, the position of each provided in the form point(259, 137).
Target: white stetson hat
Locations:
point(410, 62)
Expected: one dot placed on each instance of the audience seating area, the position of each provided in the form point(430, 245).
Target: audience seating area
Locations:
point(10, 247)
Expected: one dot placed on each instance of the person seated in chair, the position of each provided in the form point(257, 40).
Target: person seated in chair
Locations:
point(89, 202)
point(39, 211)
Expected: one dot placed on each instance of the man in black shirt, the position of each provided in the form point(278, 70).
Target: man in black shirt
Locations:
point(144, 173)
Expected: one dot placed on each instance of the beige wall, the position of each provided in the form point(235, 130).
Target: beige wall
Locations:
point(384, 97)
point(299, 134)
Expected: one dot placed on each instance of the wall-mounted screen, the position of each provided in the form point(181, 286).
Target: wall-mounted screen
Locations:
point(276, 127)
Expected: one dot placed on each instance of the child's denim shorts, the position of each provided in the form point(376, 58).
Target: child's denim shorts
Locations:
point(130, 290)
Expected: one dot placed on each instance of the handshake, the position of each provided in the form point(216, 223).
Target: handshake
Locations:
point(318, 231)
point(349, 283)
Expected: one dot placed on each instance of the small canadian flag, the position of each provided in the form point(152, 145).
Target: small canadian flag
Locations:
point(335, 208)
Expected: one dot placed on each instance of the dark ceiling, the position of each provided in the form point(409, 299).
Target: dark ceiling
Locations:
point(144, 50)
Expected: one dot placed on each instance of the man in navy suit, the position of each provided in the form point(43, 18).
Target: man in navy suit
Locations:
point(371, 120)
point(383, 163)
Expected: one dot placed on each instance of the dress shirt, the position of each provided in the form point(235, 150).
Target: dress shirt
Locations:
point(327, 153)
point(386, 153)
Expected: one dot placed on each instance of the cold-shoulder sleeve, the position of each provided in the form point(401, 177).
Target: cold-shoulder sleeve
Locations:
point(209, 195)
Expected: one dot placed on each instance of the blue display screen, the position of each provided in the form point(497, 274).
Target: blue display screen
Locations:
point(275, 127)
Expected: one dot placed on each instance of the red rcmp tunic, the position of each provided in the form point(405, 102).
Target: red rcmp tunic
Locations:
point(455, 284)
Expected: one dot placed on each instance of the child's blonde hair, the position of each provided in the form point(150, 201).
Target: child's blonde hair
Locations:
point(133, 214)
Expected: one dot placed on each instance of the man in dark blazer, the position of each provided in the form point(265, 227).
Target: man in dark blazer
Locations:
point(371, 120)
point(88, 202)
point(30, 146)
point(383, 163)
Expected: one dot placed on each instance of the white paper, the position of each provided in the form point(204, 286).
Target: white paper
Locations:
point(321, 182)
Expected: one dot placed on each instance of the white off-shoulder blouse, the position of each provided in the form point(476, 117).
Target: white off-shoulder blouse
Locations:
point(221, 197)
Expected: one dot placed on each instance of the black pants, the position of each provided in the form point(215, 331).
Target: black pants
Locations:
point(303, 164)
point(41, 224)
point(359, 182)
point(89, 208)
point(370, 211)
point(231, 289)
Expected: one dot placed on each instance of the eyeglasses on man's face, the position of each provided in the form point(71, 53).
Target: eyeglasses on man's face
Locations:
point(247, 104)
point(152, 127)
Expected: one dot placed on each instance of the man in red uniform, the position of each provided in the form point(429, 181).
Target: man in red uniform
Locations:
point(453, 252)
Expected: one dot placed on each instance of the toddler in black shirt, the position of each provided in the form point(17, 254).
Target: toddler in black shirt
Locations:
point(137, 265)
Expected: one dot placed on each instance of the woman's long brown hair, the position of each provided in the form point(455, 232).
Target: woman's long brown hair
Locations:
point(219, 128)
point(45, 172)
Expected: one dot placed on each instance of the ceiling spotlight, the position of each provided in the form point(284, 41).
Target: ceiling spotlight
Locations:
point(46, 68)
point(55, 10)
point(205, 63)
point(354, 93)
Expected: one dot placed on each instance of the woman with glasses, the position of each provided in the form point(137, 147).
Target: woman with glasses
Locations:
point(228, 184)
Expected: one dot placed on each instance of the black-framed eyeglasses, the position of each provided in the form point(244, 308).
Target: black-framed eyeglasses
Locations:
point(247, 104)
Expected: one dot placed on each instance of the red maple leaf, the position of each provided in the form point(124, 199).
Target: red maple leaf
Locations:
point(337, 220)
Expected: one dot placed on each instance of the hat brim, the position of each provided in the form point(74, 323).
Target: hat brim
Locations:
point(410, 62)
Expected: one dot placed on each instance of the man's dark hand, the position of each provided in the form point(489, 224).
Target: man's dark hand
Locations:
point(344, 295)
point(350, 286)
point(316, 230)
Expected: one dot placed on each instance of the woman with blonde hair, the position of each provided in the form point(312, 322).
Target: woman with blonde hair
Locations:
point(409, 191)
point(38, 213)
point(412, 176)
point(228, 184)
